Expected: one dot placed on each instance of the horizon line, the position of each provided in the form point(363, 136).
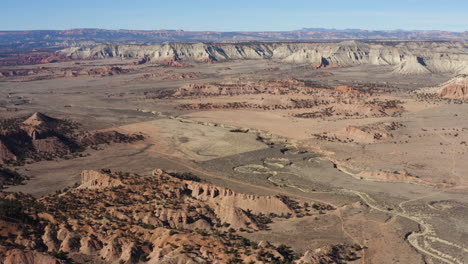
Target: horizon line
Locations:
point(306, 29)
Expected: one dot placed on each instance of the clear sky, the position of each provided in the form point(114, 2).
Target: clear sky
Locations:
point(234, 15)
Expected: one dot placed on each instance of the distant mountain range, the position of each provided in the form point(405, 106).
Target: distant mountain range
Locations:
point(43, 39)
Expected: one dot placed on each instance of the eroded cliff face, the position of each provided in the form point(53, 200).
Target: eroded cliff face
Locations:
point(231, 207)
point(16, 256)
point(130, 218)
point(407, 57)
point(456, 88)
point(225, 197)
point(39, 137)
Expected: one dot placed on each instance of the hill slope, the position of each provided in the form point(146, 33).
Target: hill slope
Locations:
point(129, 218)
point(41, 137)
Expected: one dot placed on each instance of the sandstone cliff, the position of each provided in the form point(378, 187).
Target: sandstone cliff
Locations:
point(456, 88)
point(407, 57)
point(129, 218)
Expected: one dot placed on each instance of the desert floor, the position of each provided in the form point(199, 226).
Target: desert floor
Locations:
point(406, 193)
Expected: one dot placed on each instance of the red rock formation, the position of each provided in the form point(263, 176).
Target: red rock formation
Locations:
point(229, 206)
point(227, 197)
point(17, 256)
point(91, 179)
point(168, 75)
point(174, 63)
point(330, 254)
point(43, 137)
point(241, 86)
point(144, 60)
point(16, 73)
point(456, 88)
point(130, 218)
point(345, 89)
point(32, 58)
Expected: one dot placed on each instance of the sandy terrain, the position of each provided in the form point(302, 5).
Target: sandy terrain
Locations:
point(400, 191)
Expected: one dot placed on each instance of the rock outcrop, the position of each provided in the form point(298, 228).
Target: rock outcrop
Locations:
point(244, 86)
point(370, 133)
point(38, 119)
point(412, 65)
point(407, 57)
point(230, 206)
point(366, 134)
point(129, 218)
point(226, 197)
point(345, 89)
point(42, 137)
point(6, 153)
point(107, 71)
point(169, 75)
point(329, 254)
point(10, 177)
point(17, 256)
point(456, 88)
point(91, 179)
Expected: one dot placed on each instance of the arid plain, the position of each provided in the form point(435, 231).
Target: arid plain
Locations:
point(379, 146)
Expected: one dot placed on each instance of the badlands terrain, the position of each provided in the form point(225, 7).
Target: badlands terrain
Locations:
point(275, 152)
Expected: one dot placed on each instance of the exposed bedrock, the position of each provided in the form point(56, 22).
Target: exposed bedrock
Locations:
point(407, 57)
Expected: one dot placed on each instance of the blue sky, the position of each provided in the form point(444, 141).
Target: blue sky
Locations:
point(234, 15)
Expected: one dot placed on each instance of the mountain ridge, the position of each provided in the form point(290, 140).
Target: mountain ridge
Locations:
point(32, 39)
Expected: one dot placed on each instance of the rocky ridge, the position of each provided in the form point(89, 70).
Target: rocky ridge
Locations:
point(366, 134)
point(129, 218)
point(455, 88)
point(406, 57)
point(41, 137)
point(284, 94)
